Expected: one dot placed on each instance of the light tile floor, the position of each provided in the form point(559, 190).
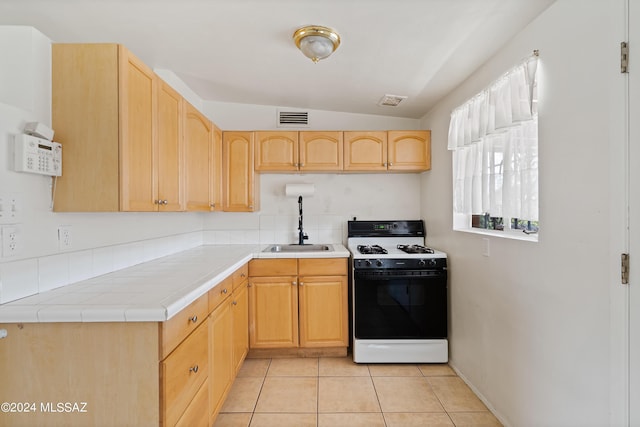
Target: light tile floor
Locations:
point(336, 392)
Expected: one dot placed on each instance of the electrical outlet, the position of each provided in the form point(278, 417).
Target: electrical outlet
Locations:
point(64, 237)
point(11, 243)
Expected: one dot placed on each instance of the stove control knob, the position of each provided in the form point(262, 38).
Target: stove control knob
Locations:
point(379, 263)
point(422, 263)
point(367, 263)
point(433, 262)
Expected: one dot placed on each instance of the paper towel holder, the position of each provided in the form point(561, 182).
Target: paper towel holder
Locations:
point(300, 189)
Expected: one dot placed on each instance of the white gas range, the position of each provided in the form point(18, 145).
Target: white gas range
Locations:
point(399, 291)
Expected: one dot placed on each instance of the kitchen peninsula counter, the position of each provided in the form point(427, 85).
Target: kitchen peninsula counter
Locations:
point(153, 291)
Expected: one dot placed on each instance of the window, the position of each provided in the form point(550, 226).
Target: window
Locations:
point(494, 139)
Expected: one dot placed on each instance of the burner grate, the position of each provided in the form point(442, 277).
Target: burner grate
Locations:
point(371, 249)
point(415, 249)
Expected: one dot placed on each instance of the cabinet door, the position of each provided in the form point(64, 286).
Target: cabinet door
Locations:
point(323, 311)
point(138, 143)
point(321, 151)
point(276, 151)
point(365, 151)
point(239, 191)
point(215, 170)
point(170, 149)
point(409, 150)
point(240, 312)
point(182, 374)
point(198, 134)
point(273, 312)
point(221, 355)
point(197, 414)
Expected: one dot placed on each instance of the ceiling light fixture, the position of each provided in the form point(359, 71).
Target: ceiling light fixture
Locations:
point(316, 42)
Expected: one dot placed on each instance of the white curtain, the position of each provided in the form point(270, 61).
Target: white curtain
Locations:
point(494, 137)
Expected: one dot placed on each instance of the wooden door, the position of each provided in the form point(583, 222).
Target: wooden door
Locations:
point(239, 191)
point(240, 312)
point(409, 150)
point(221, 355)
point(138, 143)
point(198, 136)
point(323, 311)
point(215, 171)
point(365, 151)
point(321, 150)
point(170, 168)
point(276, 151)
point(273, 312)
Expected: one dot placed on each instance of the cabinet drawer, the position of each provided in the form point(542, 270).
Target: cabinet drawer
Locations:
point(182, 374)
point(220, 292)
point(182, 324)
point(197, 413)
point(322, 266)
point(273, 267)
point(240, 275)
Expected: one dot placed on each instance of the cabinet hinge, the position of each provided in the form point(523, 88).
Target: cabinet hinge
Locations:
point(624, 57)
point(624, 269)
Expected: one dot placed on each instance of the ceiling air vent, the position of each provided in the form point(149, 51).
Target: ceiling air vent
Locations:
point(391, 100)
point(293, 119)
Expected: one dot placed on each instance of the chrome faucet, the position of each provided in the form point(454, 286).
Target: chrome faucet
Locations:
point(302, 236)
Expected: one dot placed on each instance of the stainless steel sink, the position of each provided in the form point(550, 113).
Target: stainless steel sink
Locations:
point(298, 248)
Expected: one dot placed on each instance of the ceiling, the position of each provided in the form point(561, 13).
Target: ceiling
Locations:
point(241, 51)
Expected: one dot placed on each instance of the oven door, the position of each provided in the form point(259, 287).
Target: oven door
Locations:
point(400, 304)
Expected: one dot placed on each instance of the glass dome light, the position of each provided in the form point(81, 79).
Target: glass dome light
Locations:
point(316, 42)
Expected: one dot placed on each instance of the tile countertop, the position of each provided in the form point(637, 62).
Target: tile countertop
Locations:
point(153, 291)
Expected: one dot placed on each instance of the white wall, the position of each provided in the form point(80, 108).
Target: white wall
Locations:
point(337, 199)
point(530, 324)
point(232, 116)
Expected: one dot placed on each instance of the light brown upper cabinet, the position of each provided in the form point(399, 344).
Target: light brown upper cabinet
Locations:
point(276, 151)
point(198, 143)
point(104, 112)
point(365, 151)
point(215, 171)
point(321, 150)
point(240, 183)
point(290, 151)
point(170, 149)
point(408, 151)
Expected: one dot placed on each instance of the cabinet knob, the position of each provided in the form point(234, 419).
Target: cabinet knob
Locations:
point(294, 283)
point(250, 206)
point(225, 291)
point(194, 319)
point(242, 275)
point(156, 202)
point(212, 205)
point(194, 369)
point(390, 164)
point(165, 202)
point(235, 303)
point(384, 164)
point(301, 283)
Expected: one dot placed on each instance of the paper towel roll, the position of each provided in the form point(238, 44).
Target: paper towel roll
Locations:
point(295, 190)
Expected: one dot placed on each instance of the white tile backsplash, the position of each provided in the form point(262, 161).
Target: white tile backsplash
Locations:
point(53, 272)
point(20, 279)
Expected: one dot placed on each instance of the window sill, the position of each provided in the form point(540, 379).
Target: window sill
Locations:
point(514, 235)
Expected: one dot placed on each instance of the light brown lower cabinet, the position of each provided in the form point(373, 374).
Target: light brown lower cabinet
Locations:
point(127, 373)
point(298, 303)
